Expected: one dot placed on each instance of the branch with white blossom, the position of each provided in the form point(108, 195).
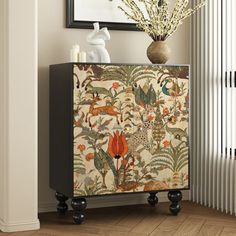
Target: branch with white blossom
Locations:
point(156, 20)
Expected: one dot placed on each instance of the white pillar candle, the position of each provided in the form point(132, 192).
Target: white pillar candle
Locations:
point(82, 57)
point(74, 53)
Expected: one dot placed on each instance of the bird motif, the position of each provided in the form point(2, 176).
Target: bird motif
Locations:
point(177, 132)
point(172, 91)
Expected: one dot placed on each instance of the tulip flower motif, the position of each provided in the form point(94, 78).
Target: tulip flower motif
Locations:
point(117, 146)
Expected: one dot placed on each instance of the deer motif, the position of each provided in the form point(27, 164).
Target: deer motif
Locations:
point(140, 137)
point(103, 110)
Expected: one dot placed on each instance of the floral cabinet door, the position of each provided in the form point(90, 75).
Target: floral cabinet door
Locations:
point(130, 128)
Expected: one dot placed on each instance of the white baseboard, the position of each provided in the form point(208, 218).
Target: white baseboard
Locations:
point(19, 226)
point(116, 200)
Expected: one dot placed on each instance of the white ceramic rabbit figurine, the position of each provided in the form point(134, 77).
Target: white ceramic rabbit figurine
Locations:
point(97, 39)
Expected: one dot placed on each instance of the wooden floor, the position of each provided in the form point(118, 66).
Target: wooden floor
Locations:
point(139, 220)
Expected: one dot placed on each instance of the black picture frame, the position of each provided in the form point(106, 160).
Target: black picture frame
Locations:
point(72, 23)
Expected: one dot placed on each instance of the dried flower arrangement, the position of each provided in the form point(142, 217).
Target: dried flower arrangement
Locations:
point(158, 22)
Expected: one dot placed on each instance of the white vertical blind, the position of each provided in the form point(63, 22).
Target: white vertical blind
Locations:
point(213, 110)
point(228, 105)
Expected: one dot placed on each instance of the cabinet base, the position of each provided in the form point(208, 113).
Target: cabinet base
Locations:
point(175, 197)
point(152, 199)
point(78, 205)
point(62, 207)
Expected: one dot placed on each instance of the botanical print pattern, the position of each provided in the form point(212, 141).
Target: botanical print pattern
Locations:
point(130, 128)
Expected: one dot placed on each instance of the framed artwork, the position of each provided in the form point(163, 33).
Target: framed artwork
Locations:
point(83, 13)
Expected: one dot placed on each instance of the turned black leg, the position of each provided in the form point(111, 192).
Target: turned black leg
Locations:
point(152, 199)
point(79, 205)
point(175, 197)
point(62, 207)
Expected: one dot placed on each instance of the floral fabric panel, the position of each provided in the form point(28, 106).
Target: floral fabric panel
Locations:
point(130, 128)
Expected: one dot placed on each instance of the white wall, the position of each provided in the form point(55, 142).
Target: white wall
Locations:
point(55, 42)
point(18, 117)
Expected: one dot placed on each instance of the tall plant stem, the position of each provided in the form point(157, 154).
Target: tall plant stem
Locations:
point(117, 171)
point(124, 174)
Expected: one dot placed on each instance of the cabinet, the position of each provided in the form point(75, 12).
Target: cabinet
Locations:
point(118, 129)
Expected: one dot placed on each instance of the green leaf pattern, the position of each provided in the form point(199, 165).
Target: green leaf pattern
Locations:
point(146, 104)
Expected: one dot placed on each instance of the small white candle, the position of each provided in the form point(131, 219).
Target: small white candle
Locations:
point(82, 57)
point(73, 56)
point(74, 53)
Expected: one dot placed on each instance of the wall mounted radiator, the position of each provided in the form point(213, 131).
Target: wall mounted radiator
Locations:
point(214, 106)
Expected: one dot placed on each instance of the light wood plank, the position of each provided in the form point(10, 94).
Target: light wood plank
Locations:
point(210, 230)
point(170, 225)
point(229, 231)
point(190, 227)
point(62, 233)
point(75, 231)
point(201, 211)
point(24, 233)
point(159, 232)
point(103, 229)
point(95, 229)
point(148, 224)
point(222, 222)
point(114, 233)
point(111, 218)
point(131, 219)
